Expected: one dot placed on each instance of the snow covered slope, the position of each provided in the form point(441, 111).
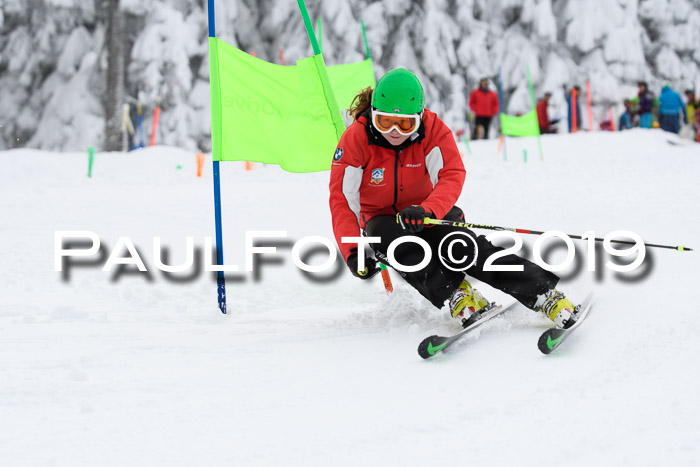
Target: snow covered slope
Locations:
point(127, 370)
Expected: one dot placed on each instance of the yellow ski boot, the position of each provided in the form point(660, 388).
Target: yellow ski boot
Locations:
point(557, 307)
point(466, 304)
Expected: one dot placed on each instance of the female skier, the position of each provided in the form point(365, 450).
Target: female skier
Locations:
point(397, 164)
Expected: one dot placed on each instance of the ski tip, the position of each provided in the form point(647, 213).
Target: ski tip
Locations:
point(431, 346)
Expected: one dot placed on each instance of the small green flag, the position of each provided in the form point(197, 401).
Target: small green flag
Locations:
point(274, 114)
point(524, 125)
point(349, 79)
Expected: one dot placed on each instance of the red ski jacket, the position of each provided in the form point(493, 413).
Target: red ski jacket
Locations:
point(542, 115)
point(370, 177)
point(484, 104)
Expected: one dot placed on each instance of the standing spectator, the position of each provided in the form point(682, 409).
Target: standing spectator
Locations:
point(485, 105)
point(693, 111)
point(646, 102)
point(671, 106)
point(575, 92)
point(691, 106)
point(543, 115)
point(627, 118)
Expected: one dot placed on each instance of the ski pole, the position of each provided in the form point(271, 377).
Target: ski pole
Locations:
point(429, 221)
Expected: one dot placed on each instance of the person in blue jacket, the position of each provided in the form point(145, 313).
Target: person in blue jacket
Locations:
point(671, 107)
point(627, 118)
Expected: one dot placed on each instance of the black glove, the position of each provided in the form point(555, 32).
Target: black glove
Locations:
point(371, 268)
point(411, 218)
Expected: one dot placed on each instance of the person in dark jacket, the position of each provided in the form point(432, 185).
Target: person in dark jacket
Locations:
point(645, 105)
point(575, 92)
point(484, 103)
point(671, 107)
point(693, 113)
point(691, 106)
point(397, 165)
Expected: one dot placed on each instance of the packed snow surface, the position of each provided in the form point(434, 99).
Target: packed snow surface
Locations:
point(131, 368)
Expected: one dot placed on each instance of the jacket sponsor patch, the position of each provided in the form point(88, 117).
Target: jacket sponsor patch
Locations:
point(377, 176)
point(338, 154)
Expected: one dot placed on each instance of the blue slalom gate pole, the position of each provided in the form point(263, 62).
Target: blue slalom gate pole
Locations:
point(220, 280)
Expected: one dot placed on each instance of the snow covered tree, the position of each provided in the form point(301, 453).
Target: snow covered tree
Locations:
point(61, 84)
point(114, 95)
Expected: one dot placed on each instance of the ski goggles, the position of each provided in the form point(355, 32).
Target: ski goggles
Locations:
point(384, 122)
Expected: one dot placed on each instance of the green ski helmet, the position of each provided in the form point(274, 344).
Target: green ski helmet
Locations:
point(399, 91)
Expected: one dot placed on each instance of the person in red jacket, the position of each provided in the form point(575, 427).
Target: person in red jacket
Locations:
point(398, 164)
point(485, 105)
point(543, 114)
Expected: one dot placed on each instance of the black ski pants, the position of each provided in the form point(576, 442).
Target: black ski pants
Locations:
point(484, 122)
point(436, 282)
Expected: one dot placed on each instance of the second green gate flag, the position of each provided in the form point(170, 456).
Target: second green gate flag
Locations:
point(523, 125)
point(263, 112)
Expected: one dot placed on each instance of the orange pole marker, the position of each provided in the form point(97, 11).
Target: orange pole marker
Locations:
point(588, 104)
point(284, 62)
point(500, 144)
point(248, 165)
point(154, 129)
point(612, 120)
point(200, 163)
point(388, 286)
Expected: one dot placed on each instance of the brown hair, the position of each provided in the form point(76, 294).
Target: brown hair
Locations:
point(361, 103)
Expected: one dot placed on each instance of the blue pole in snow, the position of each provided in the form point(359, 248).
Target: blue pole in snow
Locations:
point(211, 22)
point(220, 280)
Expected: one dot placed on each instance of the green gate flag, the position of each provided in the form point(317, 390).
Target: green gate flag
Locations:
point(524, 125)
point(274, 114)
point(349, 79)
